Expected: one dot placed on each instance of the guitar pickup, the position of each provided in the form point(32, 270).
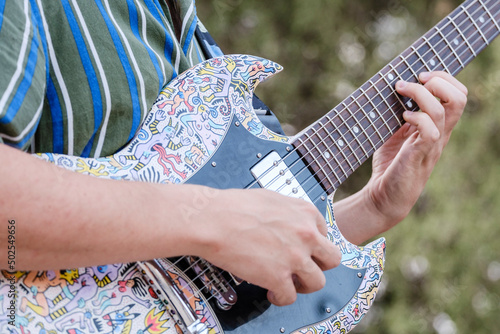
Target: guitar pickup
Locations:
point(273, 174)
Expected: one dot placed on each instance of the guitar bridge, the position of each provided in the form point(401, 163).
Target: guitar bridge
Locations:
point(179, 305)
point(214, 282)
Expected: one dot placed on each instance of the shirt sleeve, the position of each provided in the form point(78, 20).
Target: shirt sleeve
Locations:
point(23, 65)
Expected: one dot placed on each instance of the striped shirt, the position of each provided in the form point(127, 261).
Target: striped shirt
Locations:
point(78, 76)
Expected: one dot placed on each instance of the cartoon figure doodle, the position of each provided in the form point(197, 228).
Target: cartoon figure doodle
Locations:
point(84, 289)
point(143, 152)
point(181, 97)
point(39, 282)
point(201, 106)
point(224, 81)
point(129, 287)
point(82, 318)
point(202, 124)
point(119, 321)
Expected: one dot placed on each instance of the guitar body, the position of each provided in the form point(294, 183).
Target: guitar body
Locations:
point(202, 129)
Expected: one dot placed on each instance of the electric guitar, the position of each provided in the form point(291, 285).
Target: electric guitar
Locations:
point(203, 130)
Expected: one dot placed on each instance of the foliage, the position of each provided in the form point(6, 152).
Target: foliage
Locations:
point(443, 261)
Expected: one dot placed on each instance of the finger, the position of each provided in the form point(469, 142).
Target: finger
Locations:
point(424, 77)
point(425, 126)
point(285, 295)
point(425, 100)
point(452, 99)
point(318, 218)
point(326, 254)
point(309, 278)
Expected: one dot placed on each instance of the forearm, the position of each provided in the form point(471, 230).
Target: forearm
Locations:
point(359, 219)
point(65, 219)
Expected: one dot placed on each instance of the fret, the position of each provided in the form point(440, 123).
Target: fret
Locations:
point(419, 59)
point(348, 137)
point(403, 104)
point(475, 25)
point(349, 134)
point(326, 152)
point(375, 110)
point(389, 107)
point(363, 130)
point(368, 126)
point(436, 54)
point(492, 18)
point(463, 37)
point(324, 135)
point(415, 75)
point(319, 170)
point(492, 32)
point(341, 142)
point(370, 117)
point(450, 46)
point(425, 55)
point(401, 68)
point(355, 129)
point(392, 77)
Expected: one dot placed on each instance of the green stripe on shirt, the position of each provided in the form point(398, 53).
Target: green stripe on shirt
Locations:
point(122, 47)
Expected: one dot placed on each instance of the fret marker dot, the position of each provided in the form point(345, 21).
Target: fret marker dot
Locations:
point(356, 129)
point(409, 104)
point(390, 76)
point(327, 155)
point(456, 42)
point(372, 114)
point(432, 62)
point(481, 19)
point(340, 142)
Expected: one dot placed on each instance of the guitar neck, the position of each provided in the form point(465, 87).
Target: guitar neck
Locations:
point(338, 143)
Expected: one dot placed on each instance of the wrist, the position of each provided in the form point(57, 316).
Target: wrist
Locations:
point(360, 216)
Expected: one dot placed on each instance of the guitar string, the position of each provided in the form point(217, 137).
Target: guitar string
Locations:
point(370, 101)
point(345, 123)
point(476, 34)
point(460, 13)
point(450, 55)
point(422, 67)
point(351, 104)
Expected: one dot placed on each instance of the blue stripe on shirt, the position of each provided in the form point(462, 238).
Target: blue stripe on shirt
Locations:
point(51, 93)
point(89, 70)
point(56, 115)
point(134, 24)
point(154, 6)
point(25, 84)
point(2, 10)
point(129, 73)
point(189, 35)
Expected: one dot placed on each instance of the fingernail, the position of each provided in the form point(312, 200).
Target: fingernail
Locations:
point(401, 84)
point(424, 76)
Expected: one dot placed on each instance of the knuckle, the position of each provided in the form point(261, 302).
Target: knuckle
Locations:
point(435, 136)
point(308, 234)
point(296, 256)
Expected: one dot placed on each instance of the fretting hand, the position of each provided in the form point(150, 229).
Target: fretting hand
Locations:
point(402, 166)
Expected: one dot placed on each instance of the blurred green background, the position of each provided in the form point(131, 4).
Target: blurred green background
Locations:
point(443, 262)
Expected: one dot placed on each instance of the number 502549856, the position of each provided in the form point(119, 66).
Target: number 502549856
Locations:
point(11, 245)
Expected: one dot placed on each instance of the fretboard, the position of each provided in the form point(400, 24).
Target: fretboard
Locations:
point(348, 135)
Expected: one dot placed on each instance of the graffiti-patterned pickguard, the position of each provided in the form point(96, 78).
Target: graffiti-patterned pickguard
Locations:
point(184, 129)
